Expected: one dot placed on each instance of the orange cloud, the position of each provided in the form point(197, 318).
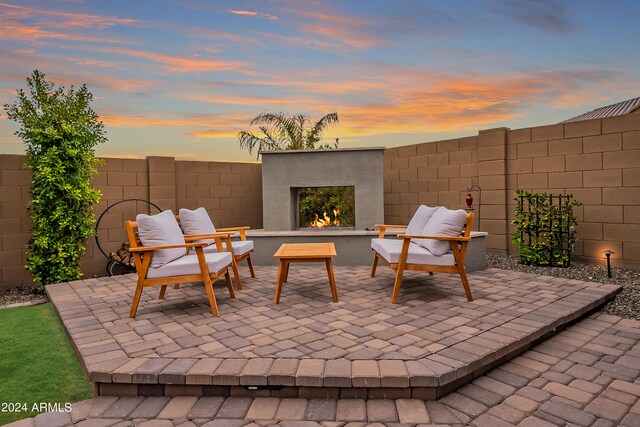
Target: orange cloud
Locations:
point(356, 33)
point(214, 134)
point(297, 40)
point(32, 24)
point(67, 19)
point(249, 13)
point(222, 121)
point(211, 34)
point(11, 30)
point(181, 64)
point(262, 101)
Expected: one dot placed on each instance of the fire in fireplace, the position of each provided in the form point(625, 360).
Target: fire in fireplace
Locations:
point(326, 208)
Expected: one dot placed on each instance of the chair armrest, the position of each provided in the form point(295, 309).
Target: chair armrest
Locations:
point(445, 238)
point(191, 237)
point(244, 227)
point(179, 245)
point(240, 230)
point(383, 228)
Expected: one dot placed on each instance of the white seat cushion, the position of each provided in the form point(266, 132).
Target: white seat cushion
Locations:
point(240, 247)
point(188, 264)
point(390, 250)
point(159, 230)
point(444, 222)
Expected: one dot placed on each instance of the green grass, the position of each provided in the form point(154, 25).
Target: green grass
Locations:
point(37, 363)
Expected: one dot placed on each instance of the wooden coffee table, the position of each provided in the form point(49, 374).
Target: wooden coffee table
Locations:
point(304, 252)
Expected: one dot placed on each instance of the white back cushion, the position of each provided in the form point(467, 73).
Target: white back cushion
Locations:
point(444, 222)
point(196, 221)
point(159, 230)
point(419, 221)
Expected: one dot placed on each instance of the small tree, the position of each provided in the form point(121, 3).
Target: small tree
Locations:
point(60, 131)
point(282, 131)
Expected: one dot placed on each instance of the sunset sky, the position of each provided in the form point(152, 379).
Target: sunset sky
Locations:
point(181, 78)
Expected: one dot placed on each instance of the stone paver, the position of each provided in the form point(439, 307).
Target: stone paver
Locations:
point(607, 401)
point(568, 379)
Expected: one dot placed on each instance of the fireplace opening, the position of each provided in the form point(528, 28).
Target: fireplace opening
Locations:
point(326, 208)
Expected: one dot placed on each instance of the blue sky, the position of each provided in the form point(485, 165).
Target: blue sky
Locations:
point(181, 78)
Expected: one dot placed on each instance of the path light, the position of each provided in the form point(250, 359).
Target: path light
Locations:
point(608, 254)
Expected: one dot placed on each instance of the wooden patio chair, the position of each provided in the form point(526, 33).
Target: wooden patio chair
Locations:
point(415, 250)
point(197, 223)
point(162, 257)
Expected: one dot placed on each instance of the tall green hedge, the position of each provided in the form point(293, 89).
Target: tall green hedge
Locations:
point(60, 131)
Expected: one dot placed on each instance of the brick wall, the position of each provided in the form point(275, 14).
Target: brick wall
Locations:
point(15, 224)
point(598, 161)
point(231, 192)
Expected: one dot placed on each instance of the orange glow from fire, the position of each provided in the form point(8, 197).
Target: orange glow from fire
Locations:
point(325, 221)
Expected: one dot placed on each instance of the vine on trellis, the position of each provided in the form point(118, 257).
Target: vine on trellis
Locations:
point(544, 228)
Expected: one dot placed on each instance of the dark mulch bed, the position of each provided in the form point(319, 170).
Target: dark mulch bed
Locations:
point(626, 304)
point(20, 295)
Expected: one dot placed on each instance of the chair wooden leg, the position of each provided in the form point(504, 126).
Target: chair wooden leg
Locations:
point(234, 265)
point(400, 271)
point(163, 289)
point(396, 286)
point(212, 297)
point(136, 300)
point(463, 274)
point(227, 277)
point(465, 283)
point(176, 286)
point(375, 264)
point(431, 273)
point(250, 263)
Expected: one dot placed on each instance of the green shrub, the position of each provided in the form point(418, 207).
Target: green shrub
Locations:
point(544, 232)
point(60, 131)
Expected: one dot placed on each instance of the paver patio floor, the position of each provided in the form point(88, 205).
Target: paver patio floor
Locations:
point(586, 375)
point(433, 338)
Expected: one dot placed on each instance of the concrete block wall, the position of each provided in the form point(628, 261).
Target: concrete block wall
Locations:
point(598, 161)
point(231, 192)
point(15, 224)
point(436, 173)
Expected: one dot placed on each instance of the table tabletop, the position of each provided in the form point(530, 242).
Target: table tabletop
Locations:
point(306, 250)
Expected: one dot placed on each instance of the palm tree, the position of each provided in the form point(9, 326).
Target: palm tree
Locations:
point(281, 131)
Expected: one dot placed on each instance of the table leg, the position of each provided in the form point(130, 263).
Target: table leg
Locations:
point(281, 268)
point(286, 272)
point(332, 281)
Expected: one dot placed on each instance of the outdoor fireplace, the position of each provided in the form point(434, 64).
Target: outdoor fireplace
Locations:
point(349, 180)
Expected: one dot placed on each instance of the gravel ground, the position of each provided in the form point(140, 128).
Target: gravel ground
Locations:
point(19, 295)
point(626, 304)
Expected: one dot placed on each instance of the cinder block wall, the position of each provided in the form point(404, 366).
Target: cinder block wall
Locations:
point(231, 192)
point(598, 161)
